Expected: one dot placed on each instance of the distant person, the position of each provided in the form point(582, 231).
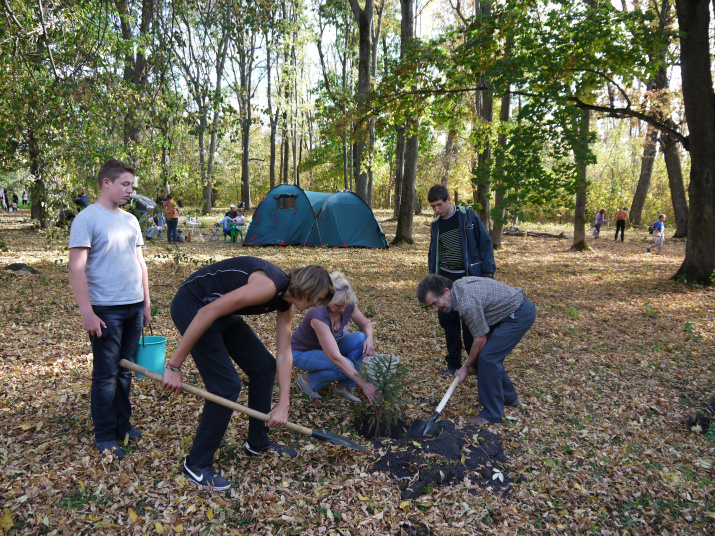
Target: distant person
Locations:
point(658, 235)
point(229, 221)
point(171, 215)
point(327, 352)
point(232, 211)
point(82, 201)
point(209, 310)
point(499, 316)
point(621, 219)
point(15, 202)
point(24, 198)
point(109, 279)
point(600, 220)
point(161, 198)
point(459, 246)
point(3, 199)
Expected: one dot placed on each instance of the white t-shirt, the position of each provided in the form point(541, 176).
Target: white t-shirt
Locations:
point(114, 276)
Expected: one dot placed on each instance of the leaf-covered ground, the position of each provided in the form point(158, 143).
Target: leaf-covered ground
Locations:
point(619, 358)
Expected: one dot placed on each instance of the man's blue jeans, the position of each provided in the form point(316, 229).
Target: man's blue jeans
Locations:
point(495, 387)
point(111, 409)
point(322, 371)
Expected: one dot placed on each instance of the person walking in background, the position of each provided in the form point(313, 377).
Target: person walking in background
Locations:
point(600, 220)
point(109, 279)
point(24, 198)
point(621, 219)
point(459, 246)
point(658, 235)
point(3, 203)
point(171, 215)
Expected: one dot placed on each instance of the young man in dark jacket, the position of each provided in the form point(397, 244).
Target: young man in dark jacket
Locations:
point(460, 246)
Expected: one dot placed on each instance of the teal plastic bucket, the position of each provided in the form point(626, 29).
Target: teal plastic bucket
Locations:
point(151, 354)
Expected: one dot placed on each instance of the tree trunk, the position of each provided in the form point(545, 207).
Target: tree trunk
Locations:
point(399, 169)
point(699, 104)
point(38, 192)
point(286, 157)
point(363, 17)
point(579, 231)
point(498, 226)
point(448, 157)
point(346, 164)
point(271, 119)
point(485, 110)
point(649, 152)
point(403, 233)
point(677, 188)
point(136, 72)
point(245, 170)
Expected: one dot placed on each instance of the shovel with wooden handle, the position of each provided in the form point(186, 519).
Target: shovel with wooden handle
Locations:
point(430, 426)
point(326, 436)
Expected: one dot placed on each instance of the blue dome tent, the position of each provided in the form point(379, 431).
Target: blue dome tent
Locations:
point(289, 215)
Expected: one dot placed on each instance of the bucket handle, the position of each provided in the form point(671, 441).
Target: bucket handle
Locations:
point(150, 331)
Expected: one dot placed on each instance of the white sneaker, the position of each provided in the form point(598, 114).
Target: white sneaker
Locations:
point(346, 393)
point(306, 388)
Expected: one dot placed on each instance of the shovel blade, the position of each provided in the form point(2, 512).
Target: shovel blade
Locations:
point(416, 428)
point(335, 439)
point(430, 427)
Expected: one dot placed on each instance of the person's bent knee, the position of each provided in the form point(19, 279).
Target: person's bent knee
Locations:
point(229, 391)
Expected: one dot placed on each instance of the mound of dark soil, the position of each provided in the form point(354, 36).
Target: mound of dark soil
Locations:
point(472, 455)
point(703, 418)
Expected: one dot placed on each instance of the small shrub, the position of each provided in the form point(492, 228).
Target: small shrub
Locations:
point(391, 379)
point(648, 309)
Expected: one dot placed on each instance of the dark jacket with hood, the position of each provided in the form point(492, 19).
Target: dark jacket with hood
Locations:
point(477, 249)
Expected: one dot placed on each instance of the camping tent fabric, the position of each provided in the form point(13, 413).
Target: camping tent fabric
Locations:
point(289, 215)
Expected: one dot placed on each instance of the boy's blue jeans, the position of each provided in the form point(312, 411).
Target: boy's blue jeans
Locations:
point(322, 371)
point(111, 409)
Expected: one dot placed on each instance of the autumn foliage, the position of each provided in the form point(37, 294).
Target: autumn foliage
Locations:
point(619, 358)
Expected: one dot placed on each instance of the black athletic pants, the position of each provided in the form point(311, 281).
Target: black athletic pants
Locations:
point(228, 340)
point(620, 226)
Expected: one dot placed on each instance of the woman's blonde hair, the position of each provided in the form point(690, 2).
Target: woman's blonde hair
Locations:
point(310, 282)
point(344, 294)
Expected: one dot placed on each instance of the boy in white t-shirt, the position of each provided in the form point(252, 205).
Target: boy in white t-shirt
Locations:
point(110, 282)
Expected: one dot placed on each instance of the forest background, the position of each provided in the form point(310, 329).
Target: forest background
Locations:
point(539, 110)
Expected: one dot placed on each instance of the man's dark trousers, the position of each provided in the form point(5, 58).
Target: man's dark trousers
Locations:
point(493, 383)
point(454, 328)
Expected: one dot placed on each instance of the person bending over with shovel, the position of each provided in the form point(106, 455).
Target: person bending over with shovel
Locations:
point(207, 310)
point(498, 316)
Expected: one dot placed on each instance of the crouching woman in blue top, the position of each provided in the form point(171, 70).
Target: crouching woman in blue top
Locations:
point(324, 349)
point(207, 310)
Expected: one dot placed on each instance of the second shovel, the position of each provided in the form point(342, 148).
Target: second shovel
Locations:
point(430, 426)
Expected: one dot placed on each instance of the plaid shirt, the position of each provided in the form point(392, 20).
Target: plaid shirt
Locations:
point(482, 302)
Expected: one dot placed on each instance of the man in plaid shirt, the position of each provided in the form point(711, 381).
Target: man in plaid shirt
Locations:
point(498, 316)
